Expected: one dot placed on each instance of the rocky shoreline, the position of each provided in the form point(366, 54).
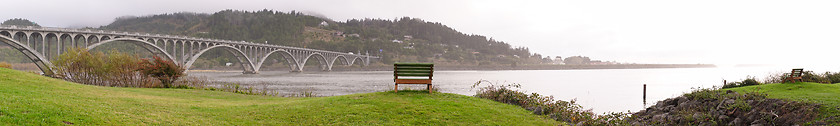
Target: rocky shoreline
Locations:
point(715, 107)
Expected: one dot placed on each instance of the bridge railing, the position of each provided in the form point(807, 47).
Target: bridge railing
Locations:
point(148, 35)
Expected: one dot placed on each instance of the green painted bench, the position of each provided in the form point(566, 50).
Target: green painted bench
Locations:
point(413, 73)
point(795, 74)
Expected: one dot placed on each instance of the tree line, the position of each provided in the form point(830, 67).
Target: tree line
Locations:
point(399, 40)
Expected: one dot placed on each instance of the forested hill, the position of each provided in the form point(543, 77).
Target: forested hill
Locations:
point(398, 40)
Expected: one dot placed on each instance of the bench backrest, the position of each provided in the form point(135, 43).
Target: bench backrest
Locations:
point(413, 70)
point(796, 72)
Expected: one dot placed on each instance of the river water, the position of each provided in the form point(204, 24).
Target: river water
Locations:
point(602, 90)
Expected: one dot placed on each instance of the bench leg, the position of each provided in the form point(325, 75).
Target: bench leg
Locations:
point(395, 88)
point(429, 86)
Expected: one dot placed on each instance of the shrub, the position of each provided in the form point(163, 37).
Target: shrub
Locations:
point(749, 81)
point(807, 76)
point(546, 105)
point(730, 85)
point(833, 77)
point(810, 76)
point(5, 65)
point(165, 71)
point(95, 68)
point(774, 78)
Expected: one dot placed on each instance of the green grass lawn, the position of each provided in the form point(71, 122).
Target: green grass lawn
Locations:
point(826, 94)
point(29, 99)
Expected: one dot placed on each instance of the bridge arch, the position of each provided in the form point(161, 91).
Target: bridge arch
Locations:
point(21, 37)
point(79, 40)
point(341, 59)
point(6, 33)
point(359, 60)
point(247, 65)
point(66, 41)
point(146, 45)
point(287, 56)
point(51, 45)
point(33, 55)
point(36, 41)
point(321, 60)
point(91, 40)
point(103, 38)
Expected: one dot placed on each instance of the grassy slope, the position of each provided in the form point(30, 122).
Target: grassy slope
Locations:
point(826, 94)
point(30, 99)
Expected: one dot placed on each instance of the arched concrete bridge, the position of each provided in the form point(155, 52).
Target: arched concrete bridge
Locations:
point(41, 44)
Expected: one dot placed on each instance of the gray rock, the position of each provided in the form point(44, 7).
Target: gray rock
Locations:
point(729, 101)
point(697, 116)
point(660, 117)
point(723, 118)
point(735, 122)
point(669, 108)
point(759, 122)
point(681, 100)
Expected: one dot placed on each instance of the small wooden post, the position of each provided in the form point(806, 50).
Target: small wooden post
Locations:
point(644, 95)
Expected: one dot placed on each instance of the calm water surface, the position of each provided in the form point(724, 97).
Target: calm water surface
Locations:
point(603, 90)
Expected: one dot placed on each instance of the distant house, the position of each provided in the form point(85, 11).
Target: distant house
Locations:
point(354, 35)
point(324, 24)
point(396, 41)
point(407, 37)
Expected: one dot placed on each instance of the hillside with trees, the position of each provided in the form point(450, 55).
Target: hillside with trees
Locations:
point(399, 40)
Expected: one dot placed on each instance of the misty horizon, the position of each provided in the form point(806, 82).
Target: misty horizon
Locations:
point(709, 32)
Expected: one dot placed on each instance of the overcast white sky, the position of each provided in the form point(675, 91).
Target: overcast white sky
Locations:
point(641, 31)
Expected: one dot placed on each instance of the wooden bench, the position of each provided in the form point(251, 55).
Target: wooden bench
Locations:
point(413, 73)
point(795, 74)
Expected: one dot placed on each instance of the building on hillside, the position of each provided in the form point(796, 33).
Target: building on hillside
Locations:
point(324, 24)
point(407, 37)
point(396, 41)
